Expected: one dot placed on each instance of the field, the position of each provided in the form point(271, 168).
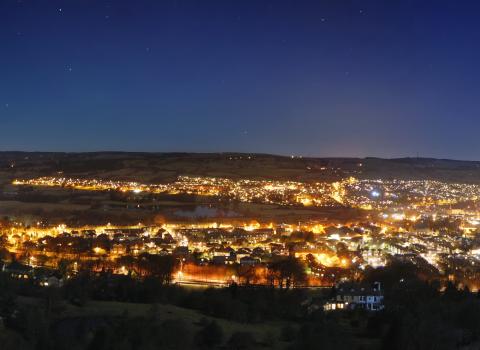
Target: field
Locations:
point(59, 205)
point(164, 167)
point(193, 319)
point(264, 333)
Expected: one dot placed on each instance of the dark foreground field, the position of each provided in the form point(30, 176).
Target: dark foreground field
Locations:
point(125, 325)
point(106, 312)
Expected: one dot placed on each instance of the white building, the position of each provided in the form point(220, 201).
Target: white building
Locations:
point(354, 295)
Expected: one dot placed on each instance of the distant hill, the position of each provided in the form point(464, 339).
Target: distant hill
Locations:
point(164, 167)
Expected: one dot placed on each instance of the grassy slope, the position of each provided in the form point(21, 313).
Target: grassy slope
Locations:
point(261, 331)
point(164, 312)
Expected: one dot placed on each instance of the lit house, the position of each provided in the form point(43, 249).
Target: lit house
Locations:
point(18, 270)
point(249, 261)
point(353, 295)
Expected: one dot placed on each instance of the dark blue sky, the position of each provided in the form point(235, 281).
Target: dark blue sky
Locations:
point(322, 78)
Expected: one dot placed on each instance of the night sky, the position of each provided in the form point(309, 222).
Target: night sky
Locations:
point(319, 78)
